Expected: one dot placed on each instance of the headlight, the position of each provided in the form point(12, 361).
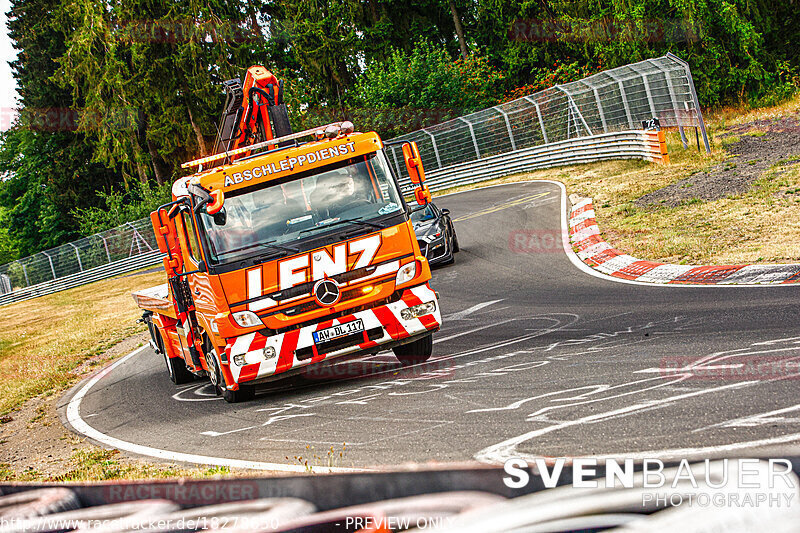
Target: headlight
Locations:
point(256, 356)
point(406, 273)
point(417, 311)
point(432, 237)
point(246, 319)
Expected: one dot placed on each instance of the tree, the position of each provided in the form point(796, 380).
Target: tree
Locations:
point(425, 87)
point(44, 163)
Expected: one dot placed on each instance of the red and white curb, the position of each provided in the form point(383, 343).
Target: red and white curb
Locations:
point(601, 256)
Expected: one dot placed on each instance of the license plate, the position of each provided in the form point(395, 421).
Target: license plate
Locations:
point(329, 334)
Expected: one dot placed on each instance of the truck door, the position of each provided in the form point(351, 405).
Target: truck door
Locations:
point(185, 288)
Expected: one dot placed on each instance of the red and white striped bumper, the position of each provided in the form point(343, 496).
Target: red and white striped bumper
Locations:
point(295, 349)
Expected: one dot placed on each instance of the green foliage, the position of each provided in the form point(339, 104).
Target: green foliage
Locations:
point(121, 206)
point(421, 88)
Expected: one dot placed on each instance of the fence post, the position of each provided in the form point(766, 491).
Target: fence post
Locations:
point(624, 98)
point(435, 148)
point(700, 120)
point(52, 269)
point(671, 89)
point(599, 105)
point(472, 133)
point(539, 114)
point(396, 163)
point(137, 239)
point(574, 108)
point(25, 273)
point(105, 245)
point(643, 75)
point(78, 255)
point(508, 127)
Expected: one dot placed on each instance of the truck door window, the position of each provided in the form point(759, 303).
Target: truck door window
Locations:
point(191, 235)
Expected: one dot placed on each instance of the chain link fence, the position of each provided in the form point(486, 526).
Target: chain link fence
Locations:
point(611, 101)
point(123, 242)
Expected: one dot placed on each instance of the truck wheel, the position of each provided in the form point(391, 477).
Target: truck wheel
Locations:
point(214, 373)
point(415, 352)
point(178, 372)
point(244, 394)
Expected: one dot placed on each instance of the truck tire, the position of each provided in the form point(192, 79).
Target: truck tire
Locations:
point(244, 394)
point(415, 352)
point(178, 373)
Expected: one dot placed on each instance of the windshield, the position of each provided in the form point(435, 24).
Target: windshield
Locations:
point(423, 215)
point(280, 216)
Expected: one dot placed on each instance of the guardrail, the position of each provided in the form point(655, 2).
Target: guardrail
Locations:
point(81, 278)
point(644, 145)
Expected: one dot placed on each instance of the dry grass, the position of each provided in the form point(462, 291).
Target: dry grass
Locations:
point(43, 341)
point(99, 464)
point(729, 116)
point(762, 225)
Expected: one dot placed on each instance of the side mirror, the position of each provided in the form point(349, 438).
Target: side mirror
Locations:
point(423, 195)
point(216, 203)
point(220, 217)
point(446, 212)
point(413, 163)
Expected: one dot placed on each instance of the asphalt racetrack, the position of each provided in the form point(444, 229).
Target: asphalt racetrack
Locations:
point(536, 357)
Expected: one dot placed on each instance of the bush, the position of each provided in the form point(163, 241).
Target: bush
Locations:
point(417, 89)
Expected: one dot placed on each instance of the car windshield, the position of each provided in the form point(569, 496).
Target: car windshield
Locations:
point(423, 215)
point(280, 216)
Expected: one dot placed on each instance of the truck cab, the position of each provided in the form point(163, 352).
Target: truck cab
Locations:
point(287, 257)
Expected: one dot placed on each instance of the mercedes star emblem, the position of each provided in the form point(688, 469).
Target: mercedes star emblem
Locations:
point(326, 291)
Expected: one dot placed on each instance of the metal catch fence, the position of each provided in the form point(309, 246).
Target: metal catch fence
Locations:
point(612, 100)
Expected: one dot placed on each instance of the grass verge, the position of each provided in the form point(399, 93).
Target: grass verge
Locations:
point(44, 340)
point(99, 464)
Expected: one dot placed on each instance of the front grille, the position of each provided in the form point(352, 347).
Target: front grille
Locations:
point(396, 295)
point(309, 306)
point(338, 344)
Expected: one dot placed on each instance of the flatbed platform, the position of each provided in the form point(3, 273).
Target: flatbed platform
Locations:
point(157, 299)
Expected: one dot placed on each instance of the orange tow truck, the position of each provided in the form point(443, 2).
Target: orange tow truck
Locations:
point(285, 250)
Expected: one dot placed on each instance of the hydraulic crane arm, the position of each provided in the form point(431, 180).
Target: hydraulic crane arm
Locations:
point(254, 111)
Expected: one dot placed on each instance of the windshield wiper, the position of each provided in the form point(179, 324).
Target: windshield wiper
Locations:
point(344, 221)
point(271, 244)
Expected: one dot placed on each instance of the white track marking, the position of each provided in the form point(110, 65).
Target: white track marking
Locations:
point(589, 390)
point(705, 451)
point(580, 265)
point(473, 330)
point(196, 389)
point(462, 315)
point(755, 420)
point(80, 425)
point(498, 453)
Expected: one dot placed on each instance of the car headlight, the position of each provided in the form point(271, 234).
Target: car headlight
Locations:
point(432, 237)
point(406, 273)
point(417, 311)
point(256, 356)
point(246, 319)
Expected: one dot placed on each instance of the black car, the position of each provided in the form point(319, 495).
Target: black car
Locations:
point(435, 234)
